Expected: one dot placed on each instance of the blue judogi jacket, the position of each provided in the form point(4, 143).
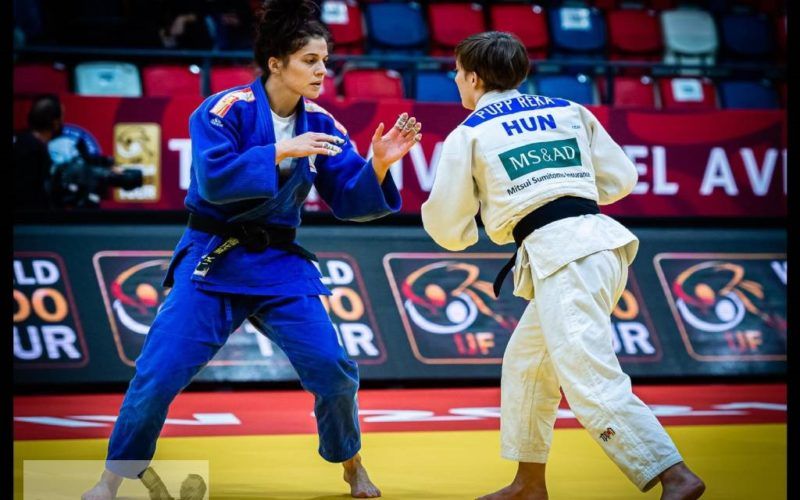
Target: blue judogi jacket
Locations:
point(234, 179)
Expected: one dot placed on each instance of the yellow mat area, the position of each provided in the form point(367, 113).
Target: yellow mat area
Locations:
point(737, 462)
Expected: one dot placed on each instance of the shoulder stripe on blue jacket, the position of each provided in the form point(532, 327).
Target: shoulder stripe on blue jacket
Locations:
point(225, 103)
point(312, 107)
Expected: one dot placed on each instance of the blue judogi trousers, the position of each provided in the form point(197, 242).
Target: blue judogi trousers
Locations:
point(189, 330)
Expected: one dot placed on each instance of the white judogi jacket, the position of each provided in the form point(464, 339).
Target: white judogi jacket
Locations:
point(512, 155)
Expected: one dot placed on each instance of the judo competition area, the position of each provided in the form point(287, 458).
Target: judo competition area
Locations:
point(701, 327)
point(429, 401)
point(418, 443)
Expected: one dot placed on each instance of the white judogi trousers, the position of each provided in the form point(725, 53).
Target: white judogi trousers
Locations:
point(564, 338)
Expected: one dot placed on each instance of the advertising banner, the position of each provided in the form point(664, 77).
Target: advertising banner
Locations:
point(130, 284)
point(698, 302)
point(727, 307)
point(447, 306)
point(721, 163)
point(451, 317)
point(47, 326)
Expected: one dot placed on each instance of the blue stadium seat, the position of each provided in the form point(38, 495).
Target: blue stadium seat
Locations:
point(528, 85)
point(107, 79)
point(576, 88)
point(747, 36)
point(577, 31)
point(745, 94)
point(436, 86)
point(396, 28)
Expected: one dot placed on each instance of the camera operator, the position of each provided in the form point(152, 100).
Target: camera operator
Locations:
point(32, 160)
point(80, 178)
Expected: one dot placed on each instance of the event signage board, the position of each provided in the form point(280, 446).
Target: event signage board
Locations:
point(130, 284)
point(715, 163)
point(727, 307)
point(450, 315)
point(47, 326)
point(448, 308)
point(698, 302)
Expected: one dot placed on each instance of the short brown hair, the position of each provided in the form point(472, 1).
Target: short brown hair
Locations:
point(497, 57)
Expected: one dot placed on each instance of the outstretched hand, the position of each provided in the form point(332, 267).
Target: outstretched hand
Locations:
point(388, 148)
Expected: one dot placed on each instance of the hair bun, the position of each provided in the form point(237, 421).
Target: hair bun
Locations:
point(288, 12)
point(283, 27)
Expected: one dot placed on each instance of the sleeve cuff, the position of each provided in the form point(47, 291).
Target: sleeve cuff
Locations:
point(385, 196)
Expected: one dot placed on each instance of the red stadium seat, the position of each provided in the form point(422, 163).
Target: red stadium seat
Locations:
point(31, 79)
point(528, 22)
point(635, 35)
point(170, 80)
point(372, 84)
point(634, 92)
point(687, 93)
point(343, 19)
point(223, 78)
point(451, 23)
point(328, 92)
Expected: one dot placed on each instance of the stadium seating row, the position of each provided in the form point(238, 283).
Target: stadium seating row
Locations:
point(625, 91)
point(632, 92)
point(682, 35)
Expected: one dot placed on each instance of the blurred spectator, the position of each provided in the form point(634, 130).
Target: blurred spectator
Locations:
point(233, 21)
point(188, 24)
point(27, 21)
point(31, 157)
point(183, 25)
point(102, 23)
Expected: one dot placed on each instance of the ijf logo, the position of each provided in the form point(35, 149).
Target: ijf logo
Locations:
point(728, 306)
point(130, 282)
point(448, 308)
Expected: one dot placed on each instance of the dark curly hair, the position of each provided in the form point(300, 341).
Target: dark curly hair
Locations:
point(284, 26)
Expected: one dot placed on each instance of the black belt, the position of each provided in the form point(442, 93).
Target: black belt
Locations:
point(560, 208)
point(254, 237)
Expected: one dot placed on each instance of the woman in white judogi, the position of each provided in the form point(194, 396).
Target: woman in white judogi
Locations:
point(537, 167)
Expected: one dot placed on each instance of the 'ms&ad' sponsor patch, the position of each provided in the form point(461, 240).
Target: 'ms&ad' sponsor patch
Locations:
point(540, 155)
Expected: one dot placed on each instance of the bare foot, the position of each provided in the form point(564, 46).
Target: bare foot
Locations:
point(356, 476)
point(105, 489)
point(101, 491)
point(680, 483)
point(518, 492)
point(528, 484)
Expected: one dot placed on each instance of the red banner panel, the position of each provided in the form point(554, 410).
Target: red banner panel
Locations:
point(727, 163)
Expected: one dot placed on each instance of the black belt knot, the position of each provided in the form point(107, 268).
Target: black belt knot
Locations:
point(253, 236)
point(560, 208)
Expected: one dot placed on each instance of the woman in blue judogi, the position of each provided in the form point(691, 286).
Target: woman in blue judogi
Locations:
point(256, 151)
